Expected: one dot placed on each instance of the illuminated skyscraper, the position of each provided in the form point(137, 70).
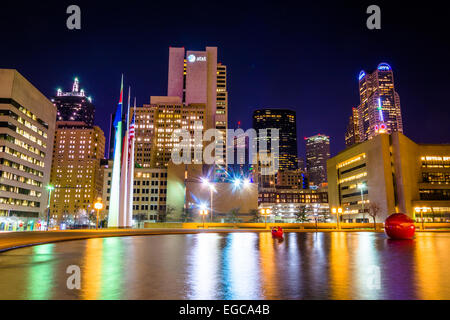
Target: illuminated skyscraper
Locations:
point(74, 105)
point(317, 154)
point(197, 78)
point(155, 124)
point(379, 110)
point(76, 174)
point(284, 120)
point(352, 133)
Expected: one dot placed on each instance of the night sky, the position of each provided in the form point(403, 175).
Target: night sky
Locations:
point(295, 55)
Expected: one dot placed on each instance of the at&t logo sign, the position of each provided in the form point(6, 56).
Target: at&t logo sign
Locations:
point(193, 58)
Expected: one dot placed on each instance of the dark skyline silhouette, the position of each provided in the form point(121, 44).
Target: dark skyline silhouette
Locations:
point(304, 57)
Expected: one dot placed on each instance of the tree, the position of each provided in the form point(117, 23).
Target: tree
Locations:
point(232, 215)
point(187, 215)
point(255, 215)
point(374, 208)
point(301, 215)
point(163, 214)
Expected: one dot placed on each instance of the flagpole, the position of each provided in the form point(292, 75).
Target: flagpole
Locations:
point(114, 203)
point(124, 174)
point(131, 136)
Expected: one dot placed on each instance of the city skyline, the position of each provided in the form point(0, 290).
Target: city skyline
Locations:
point(304, 77)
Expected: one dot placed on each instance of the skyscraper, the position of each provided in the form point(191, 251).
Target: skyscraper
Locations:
point(193, 78)
point(352, 133)
point(74, 105)
point(317, 154)
point(76, 174)
point(379, 110)
point(284, 120)
point(197, 78)
point(27, 126)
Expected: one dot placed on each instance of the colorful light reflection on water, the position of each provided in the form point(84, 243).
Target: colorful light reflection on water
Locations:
point(233, 266)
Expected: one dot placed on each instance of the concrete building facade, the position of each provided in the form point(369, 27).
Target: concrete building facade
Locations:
point(27, 126)
point(393, 173)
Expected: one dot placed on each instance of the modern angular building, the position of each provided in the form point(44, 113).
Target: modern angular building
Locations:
point(379, 110)
point(317, 154)
point(76, 173)
point(27, 126)
point(396, 175)
point(74, 105)
point(285, 121)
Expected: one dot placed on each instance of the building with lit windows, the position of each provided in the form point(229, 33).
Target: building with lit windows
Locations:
point(379, 110)
point(393, 173)
point(285, 204)
point(317, 154)
point(221, 118)
point(74, 105)
point(27, 125)
point(149, 193)
point(76, 174)
point(285, 121)
point(352, 133)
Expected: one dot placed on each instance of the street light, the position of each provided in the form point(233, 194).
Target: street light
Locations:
point(50, 188)
point(212, 189)
point(98, 206)
point(265, 213)
point(421, 211)
point(337, 212)
point(203, 213)
point(362, 186)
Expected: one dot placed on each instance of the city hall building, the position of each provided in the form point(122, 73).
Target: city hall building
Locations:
point(394, 173)
point(27, 127)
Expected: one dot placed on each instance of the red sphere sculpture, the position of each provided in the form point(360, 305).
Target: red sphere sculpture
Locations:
point(399, 226)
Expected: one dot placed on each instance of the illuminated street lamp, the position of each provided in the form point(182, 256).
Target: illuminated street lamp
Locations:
point(98, 206)
point(50, 188)
point(265, 213)
point(362, 186)
point(212, 189)
point(203, 213)
point(337, 212)
point(421, 211)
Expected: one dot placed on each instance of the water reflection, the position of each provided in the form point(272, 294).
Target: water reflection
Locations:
point(233, 266)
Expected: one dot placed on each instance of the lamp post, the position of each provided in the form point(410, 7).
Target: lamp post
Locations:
point(203, 213)
point(98, 206)
point(337, 212)
point(212, 189)
point(421, 211)
point(362, 186)
point(265, 213)
point(50, 188)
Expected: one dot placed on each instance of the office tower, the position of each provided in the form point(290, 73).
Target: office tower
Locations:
point(74, 105)
point(379, 109)
point(352, 133)
point(221, 118)
point(27, 127)
point(240, 164)
point(284, 120)
point(76, 173)
point(317, 154)
point(193, 78)
point(155, 125)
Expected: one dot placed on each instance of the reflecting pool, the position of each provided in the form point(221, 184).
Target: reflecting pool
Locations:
point(353, 265)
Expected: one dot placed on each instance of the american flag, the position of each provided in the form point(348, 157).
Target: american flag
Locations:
point(130, 137)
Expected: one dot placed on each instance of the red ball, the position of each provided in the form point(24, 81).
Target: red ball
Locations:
point(399, 226)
